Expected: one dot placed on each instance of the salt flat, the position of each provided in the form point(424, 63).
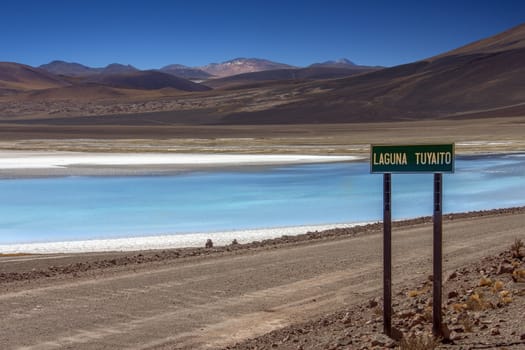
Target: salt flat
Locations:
point(55, 159)
point(164, 241)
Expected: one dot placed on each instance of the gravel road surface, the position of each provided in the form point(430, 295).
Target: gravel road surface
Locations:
point(211, 301)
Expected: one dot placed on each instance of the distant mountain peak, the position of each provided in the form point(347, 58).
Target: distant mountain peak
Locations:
point(67, 68)
point(175, 66)
point(242, 65)
point(120, 65)
point(185, 72)
point(340, 63)
point(116, 68)
point(344, 61)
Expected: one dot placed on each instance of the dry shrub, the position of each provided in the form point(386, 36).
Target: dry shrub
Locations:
point(413, 293)
point(504, 293)
point(506, 300)
point(378, 311)
point(459, 307)
point(518, 275)
point(516, 247)
point(498, 285)
point(476, 302)
point(423, 341)
point(485, 282)
point(427, 314)
point(466, 321)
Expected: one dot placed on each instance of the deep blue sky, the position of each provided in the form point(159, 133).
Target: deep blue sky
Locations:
point(154, 33)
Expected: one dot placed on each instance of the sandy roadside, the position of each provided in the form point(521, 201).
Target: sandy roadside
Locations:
point(209, 298)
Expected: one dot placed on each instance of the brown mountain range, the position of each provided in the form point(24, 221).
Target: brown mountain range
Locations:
point(242, 65)
point(314, 72)
point(146, 80)
point(484, 78)
point(15, 77)
point(478, 78)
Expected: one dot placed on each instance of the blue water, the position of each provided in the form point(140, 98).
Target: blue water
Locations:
point(73, 208)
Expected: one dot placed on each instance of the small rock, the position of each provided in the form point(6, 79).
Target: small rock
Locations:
point(445, 332)
point(344, 341)
point(453, 294)
point(377, 342)
point(522, 337)
point(504, 268)
point(346, 318)
point(494, 331)
point(459, 330)
point(372, 303)
point(455, 336)
point(407, 314)
point(419, 319)
point(452, 275)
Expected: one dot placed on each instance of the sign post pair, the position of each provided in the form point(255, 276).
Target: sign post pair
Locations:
point(412, 159)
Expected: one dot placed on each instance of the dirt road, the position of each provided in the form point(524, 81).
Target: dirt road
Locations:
point(213, 301)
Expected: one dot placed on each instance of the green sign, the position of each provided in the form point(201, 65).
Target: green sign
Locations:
point(412, 158)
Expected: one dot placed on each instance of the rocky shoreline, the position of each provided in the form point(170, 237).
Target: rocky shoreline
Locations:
point(91, 263)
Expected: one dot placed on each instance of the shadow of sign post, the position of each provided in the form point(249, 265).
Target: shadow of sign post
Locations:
point(412, 159)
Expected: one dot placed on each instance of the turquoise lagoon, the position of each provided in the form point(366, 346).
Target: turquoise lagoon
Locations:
point(79, 208)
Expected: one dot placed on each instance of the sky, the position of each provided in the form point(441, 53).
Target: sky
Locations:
point(153, 33)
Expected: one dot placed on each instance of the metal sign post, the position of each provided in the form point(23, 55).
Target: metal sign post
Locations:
point(387, 254)
point(438, 255)
point(437, 159)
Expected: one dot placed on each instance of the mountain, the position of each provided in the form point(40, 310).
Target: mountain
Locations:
point(483, 77)
point(512, 39)
point(242, 65)
point(214, 70)
point(146, 80)
point(73, 69)
point(340, 63)
point(117, 68)
point(18, 77)
point(185, 72)
point(68, 68)
point(290, 74)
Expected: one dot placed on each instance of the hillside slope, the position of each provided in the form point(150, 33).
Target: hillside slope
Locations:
point(20, 77)
point(488, 74)
point(280, 75)
point(147, 80)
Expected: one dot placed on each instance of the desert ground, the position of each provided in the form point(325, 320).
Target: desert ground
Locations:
point(483, 135)
point(220, 297)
